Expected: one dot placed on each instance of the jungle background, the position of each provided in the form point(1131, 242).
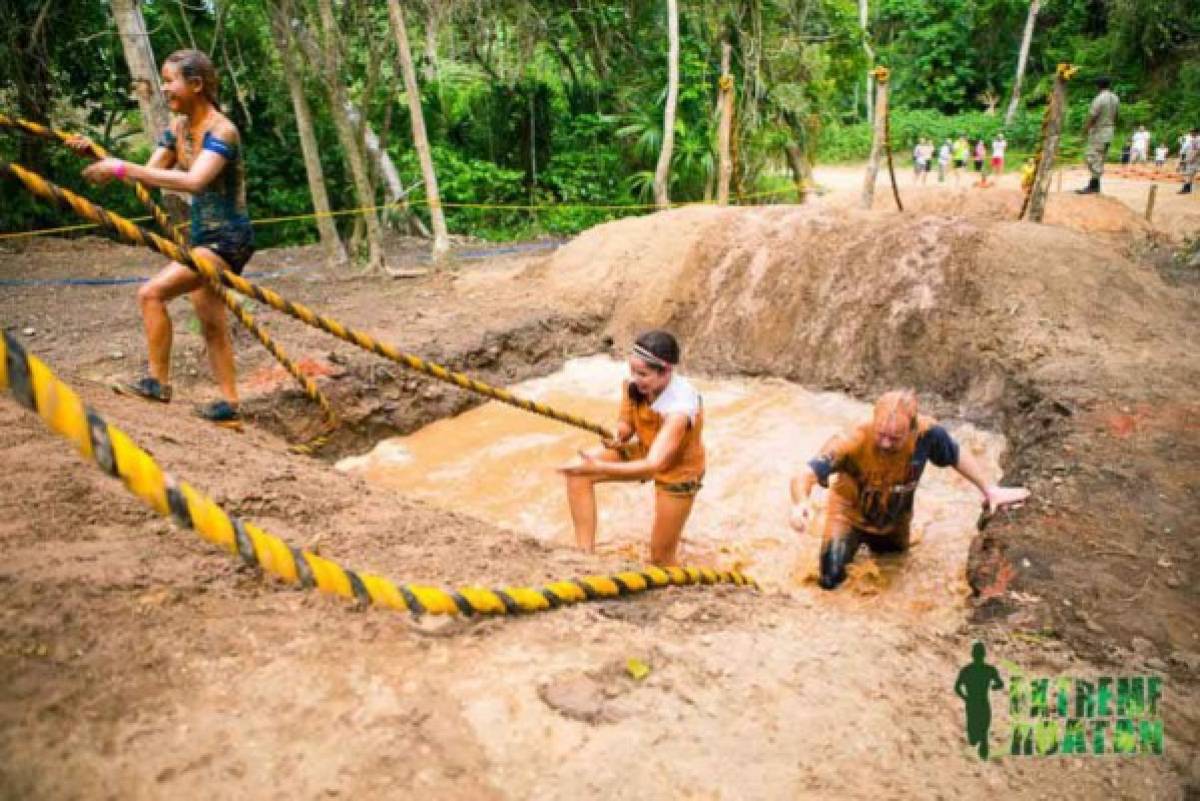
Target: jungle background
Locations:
point(558, 106)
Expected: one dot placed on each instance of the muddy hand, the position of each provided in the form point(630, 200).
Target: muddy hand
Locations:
point(584, 465)
point(997, 498)
point(800, 517)
point(102, 171)
point(81, 145)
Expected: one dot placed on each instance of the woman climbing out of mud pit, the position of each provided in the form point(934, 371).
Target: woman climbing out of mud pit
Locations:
point(666, 413)
point(199, 154)
point(878, 465)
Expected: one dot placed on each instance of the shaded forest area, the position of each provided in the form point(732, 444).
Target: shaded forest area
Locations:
point(559, 107)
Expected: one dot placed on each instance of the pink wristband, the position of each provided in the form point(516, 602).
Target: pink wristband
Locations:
point(119, 170)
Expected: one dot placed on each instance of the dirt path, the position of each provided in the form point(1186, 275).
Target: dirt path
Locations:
point(139, 663)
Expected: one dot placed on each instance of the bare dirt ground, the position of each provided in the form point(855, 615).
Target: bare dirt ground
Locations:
point(136, 662)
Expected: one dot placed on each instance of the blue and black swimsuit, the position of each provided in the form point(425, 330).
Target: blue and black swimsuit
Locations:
point(219, 219)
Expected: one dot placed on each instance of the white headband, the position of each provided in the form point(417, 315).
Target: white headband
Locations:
point(649, 357)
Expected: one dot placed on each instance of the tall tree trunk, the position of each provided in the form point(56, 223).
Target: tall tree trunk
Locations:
point(383, 162)
point(800, 169)
point(441, 238)
point(348, 136)
point(725, 165)
point(662, 174)
point(335, 253)
point(393, 184)
point(878, 143)
point(864, 13)
point(135, 42)
point(156, 117)
point(1030, 21)
point(432, 23)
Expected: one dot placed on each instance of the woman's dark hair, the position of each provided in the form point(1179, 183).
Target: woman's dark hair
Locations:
point(660, 344)
point(194, 64)
point(1103, 82)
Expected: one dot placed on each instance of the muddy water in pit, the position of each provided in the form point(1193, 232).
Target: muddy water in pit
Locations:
point(497, 463)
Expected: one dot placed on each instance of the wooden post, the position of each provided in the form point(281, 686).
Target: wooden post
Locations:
point(879, 142)
point(725, 168)
point(1036, 202)
point(1150, 202)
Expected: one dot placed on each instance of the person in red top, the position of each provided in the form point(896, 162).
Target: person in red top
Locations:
point(664, 411)
point(878, 465)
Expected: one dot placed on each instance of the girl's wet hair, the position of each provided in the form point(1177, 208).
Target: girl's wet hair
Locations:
point(192, 64)
point(658, 349)
point(661, 345)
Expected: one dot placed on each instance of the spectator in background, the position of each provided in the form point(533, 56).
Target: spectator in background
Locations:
point(1139, 151)
point(944, 153)
point(998, 148)
point(1160, 157)
point(962, 151)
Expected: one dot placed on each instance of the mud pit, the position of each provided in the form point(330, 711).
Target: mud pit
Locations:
point(138, 663)
point(496, 463)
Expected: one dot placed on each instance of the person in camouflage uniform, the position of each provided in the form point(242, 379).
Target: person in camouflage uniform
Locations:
point(1101, 120)
point(1191, 161)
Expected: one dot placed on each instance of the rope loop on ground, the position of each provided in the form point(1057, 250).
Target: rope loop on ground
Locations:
point(38, 389)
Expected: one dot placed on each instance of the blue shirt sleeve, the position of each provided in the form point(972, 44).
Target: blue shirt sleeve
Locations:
point(823, 467)
point(943, 450)
point(221, 148)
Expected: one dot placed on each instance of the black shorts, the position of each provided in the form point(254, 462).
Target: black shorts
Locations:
point(959, 163)
point(978, 165)
point(235, 248)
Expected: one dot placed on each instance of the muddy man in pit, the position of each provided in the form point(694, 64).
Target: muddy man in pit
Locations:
point(666, 414)
point(878, 465)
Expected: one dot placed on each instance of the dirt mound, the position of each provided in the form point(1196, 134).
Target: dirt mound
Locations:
point(1087, 213)
point(850, 299)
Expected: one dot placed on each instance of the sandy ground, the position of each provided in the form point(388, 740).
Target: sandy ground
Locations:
point(136, 662)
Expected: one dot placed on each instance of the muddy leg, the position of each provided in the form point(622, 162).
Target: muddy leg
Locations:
point(838, 545)
point(153, 296)
point(210, 310)
point(670, 514)
point(581, 496)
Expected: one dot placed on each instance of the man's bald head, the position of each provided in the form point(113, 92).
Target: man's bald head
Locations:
point(895, 419)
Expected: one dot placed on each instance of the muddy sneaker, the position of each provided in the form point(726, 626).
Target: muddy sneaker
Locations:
point(221, 412)
point(146, 388)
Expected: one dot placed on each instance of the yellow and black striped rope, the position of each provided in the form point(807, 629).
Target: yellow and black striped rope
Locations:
point(163, 220)
point(134, 234)
point(36, 387)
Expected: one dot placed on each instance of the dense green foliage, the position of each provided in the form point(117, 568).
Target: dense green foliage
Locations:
point(559, 105)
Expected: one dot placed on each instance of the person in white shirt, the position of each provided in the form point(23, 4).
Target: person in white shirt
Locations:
point(1160, 157)
point(943, 160)
point(998, 148)
point(665, 413)
point(1139, 153)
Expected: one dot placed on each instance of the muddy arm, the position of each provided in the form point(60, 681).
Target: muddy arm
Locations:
point(662, 450)
point(994, 496)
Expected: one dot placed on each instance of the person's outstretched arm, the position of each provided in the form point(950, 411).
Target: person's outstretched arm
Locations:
point(204, 169)
point(994, 496)
point(661, 452)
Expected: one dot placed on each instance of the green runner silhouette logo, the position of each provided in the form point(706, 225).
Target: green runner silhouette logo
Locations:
point(974, 685)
